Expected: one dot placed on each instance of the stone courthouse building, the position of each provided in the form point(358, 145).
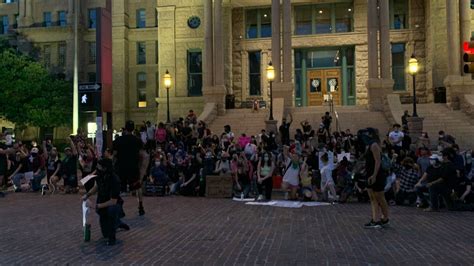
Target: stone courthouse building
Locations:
point(222, 47)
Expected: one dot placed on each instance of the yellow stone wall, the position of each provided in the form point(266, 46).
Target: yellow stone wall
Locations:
point(426, 37)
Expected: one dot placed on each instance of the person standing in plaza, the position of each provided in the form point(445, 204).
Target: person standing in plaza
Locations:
point(376, 178)
point(127, 152)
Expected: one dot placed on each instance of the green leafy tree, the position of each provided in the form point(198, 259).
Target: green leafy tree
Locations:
point(29, 94)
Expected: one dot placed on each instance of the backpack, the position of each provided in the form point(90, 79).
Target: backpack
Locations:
point(386, 163)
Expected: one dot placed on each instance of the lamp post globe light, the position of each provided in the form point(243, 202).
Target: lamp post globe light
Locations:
point(413, 70)
point(167, 83)
point(270, 77)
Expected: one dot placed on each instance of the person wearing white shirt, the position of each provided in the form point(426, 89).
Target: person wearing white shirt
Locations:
point(327, 182)
point(396, 138)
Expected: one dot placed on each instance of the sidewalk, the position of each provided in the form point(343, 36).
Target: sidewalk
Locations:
point(200, 231)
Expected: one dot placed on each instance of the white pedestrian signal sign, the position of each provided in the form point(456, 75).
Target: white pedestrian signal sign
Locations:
point(84, 99)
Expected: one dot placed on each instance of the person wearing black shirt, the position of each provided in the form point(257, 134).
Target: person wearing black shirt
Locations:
point(109, 204)
point(127, 152)
point(190, 176)
point(405, 117)
point(445, 183)
point(69, 168)
point(431, 174)
point(285, 130)
point(376, 178)
point(327, 121)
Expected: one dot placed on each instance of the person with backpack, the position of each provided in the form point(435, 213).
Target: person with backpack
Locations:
point(376, 178)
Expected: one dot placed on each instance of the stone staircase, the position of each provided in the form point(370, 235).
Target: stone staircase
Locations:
point(241, 121)
point(436, 117)
point(439, 117)
point(350, 117)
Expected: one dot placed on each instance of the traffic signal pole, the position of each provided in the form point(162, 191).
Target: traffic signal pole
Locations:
point(75, 108)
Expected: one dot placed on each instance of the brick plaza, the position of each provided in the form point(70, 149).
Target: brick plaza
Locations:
point(198, 231)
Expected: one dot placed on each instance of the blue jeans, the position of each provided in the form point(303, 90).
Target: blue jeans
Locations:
point(36, 182)
point(17, 180)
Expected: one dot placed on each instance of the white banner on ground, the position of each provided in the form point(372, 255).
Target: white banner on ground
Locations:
point(288, 204)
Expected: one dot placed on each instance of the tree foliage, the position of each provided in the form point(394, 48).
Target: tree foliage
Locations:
point(29, 94)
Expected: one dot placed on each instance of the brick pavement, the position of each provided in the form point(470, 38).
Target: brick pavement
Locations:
point(199, 231)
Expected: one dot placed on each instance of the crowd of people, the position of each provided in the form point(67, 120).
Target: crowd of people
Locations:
point(312, 165)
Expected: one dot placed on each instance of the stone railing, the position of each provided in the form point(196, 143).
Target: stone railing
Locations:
point(209, 113)
point(393, 109)
point(467, 105)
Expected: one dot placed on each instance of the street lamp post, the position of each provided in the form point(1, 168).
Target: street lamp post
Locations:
point(270, 78)
point(413, 70)
point(167, 83)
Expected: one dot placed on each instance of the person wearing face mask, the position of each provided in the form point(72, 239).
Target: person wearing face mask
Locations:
point(158, 175)
point(376, 178)
point(444, 182)
point(431, 174)
point(265, 169)
point(223, 165)
point(109, 203)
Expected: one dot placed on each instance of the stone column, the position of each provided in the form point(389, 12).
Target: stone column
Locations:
point(276, 47)
point(29, 8)
point(208, 45)
point(70, 11)
point(454, 50)
point(465, 19)
point(373, 51)
point(218, 45)
point(26, 13)
point(377, 88)
point(287, 51)
point(385, 48)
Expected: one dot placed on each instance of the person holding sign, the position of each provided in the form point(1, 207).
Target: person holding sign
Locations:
point(109, 204)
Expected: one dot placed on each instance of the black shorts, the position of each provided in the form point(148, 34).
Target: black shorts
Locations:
point(379, 184)
point(130, 177)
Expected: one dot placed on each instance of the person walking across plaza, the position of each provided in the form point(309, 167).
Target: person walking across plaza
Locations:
point(376, 178)
point(109, 204)
point(127, 152)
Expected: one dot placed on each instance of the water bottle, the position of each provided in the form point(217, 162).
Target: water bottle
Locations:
point(242, 195)
point(87, 233)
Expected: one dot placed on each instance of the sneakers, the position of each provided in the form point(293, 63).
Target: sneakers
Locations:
point(124, 226)
point(260, 197)
point(373, 225)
